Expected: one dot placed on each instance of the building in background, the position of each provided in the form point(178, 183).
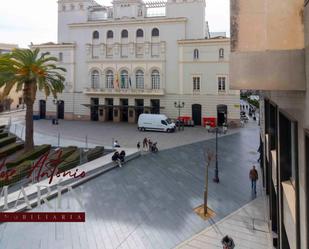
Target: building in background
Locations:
point(136, 57)
point(14, 100)
point(270, 52)
point(6, 47)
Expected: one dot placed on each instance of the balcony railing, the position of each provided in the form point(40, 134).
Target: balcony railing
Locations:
point(145, 50)
point(124, 91)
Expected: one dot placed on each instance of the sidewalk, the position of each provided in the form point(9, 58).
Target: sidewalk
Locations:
point(247, 226)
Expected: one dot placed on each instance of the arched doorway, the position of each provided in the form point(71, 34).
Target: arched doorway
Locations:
point(42, 109)
point(221, 115)
point(60, 109)
point(197, 114)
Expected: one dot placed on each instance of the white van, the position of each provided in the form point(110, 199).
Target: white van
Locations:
point(155, 122)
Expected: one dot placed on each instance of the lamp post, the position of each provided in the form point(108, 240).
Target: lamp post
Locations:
point(179, 105)
point(216, 178)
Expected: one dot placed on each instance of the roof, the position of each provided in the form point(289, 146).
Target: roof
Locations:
point(52, 44)
point(8, 46)
point(211, 40)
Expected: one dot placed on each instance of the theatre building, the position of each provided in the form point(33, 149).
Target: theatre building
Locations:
point(139, 57)
point(275, 60)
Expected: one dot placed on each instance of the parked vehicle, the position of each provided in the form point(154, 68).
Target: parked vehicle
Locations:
point(155, 122)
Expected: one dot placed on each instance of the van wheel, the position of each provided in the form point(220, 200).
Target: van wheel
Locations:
point(168, 130)
point(142, 129)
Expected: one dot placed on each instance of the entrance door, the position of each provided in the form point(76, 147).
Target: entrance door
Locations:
point(94, 109)
point(197, 114)
point(110, 104)
point(60, 109)
point(221, 115)
point(139, 108)
point(155, 106)
point(42, 108)
point(124, 110)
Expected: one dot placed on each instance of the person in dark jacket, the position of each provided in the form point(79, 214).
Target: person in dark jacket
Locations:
point(116, 158)
point(122, 156)
point(227, 242)
point(253, 175)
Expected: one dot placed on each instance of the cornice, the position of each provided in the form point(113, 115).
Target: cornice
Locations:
point(127, 22)
point(203, 41)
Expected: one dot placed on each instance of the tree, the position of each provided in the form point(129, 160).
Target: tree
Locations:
point(29, 70)
point(209, 156)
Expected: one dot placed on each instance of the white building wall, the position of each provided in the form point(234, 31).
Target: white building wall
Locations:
point(194, 11)
point(174, 61)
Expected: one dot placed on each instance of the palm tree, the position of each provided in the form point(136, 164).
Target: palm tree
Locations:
point(28, 71)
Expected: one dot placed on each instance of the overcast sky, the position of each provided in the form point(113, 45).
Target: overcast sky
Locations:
point(25, 21)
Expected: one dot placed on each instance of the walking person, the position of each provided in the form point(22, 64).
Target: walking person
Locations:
point(149, 144)
point(145, 144)
point(253, 175)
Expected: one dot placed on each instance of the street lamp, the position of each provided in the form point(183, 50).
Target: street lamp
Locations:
point(179, 105)
point(216, 178)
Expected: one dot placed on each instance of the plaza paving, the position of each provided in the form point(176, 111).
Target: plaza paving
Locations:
point(126, 134)
point(149, 203)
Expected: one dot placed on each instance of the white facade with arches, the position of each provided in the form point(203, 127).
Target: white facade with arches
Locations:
point(127, 56)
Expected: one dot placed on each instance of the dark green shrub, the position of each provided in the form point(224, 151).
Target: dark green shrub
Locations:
point(95, 153)
point(30, 155)
point(68, 151)
point(7, 140)
point(2, 127)
point(4, 134)
point(70, 162)
point(10, 149)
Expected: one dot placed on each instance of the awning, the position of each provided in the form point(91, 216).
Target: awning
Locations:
point(124, 106)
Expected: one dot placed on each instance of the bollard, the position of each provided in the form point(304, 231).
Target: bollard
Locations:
point(86, 142)
point(22, 132)
point(58, 139)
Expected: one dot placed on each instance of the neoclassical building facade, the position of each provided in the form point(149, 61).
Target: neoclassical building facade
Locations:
point(134, 57)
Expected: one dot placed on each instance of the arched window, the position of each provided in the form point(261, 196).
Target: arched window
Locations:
point(109, 79)
point(139, 33)
point(124, 33)
point(139, 76)
point(124, 79)
point(221, 53)
point(110, 34)
point(95, 35)
point(196, 54)
point(155, 79)
point(95, 79)
point(155, 32)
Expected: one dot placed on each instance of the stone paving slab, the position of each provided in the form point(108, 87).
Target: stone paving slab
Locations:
point(238, 225)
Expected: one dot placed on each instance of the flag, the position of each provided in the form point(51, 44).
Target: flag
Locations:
point(130, 83)
point(116, 81)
